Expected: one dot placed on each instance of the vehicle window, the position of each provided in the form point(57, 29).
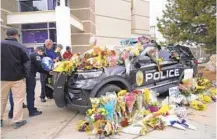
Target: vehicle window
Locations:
point(165, 54)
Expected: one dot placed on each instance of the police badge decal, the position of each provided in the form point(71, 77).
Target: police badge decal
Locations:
point(139, 78)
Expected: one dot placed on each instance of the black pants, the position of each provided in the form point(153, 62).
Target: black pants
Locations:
point(43, 79)
point(45, 91)
point(30, 87)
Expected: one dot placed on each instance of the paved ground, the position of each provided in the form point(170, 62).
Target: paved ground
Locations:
point(56, 123)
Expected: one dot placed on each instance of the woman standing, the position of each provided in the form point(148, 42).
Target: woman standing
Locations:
point(67, 54)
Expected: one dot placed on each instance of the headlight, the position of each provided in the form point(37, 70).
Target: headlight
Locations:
point(88, 75)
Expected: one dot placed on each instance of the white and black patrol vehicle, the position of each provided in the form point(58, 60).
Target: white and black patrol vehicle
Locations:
point(75, 91)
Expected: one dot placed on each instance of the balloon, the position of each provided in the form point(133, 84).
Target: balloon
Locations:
point(92, 41)
point(47, 63)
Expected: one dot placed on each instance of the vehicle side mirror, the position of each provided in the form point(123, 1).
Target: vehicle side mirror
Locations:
point(143, 59)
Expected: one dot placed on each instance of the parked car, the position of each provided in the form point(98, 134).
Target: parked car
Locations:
point(76, 90)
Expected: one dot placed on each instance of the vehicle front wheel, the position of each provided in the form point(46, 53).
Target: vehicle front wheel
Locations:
point(108, 88)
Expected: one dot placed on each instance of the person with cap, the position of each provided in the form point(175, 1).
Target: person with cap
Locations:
point(15, 67)
point(67, 54)
point(58, 52)
point(36, 66)
point(49, 52)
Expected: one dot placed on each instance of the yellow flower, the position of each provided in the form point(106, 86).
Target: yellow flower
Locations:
point(199, 87)
point(146, 96)
point(122, 92)
point(207, 99)
point(213, 91)
point(164, 109)
point(198, 105)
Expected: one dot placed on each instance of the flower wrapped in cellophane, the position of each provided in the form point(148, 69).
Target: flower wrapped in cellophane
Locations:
point(154, 54)
point(112, 58)
point(109, 103)
point(83, 126)
point(139, 99)
point(130, 100)
point(122, 93)
point(156, 123)
point(146, 97)
point(202, 85)
point(212, 93)
point(125, 54)
point(122, 104)
point(104, 128)
point(95, 102)
point(198, 105)
point(186, 87)
point(205, 98)
point(95, 114)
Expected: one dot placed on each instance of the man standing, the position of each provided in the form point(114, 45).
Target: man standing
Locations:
point(49, 52)
point(31, 81)
point(15, 64)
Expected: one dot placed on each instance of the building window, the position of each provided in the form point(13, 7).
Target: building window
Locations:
point(38, 33)
point(34, 36)
point(38, 5)
point(33, 5)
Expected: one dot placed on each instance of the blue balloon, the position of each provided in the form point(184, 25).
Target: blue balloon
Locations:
point(47, 63)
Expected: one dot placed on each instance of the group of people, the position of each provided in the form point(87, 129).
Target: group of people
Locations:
point(18, 72)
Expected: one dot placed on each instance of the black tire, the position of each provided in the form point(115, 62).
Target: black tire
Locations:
point(108, 88)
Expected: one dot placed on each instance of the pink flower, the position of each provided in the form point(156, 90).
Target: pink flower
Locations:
point(130, 100)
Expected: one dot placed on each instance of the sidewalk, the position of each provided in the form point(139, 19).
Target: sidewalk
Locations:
point(60, 123)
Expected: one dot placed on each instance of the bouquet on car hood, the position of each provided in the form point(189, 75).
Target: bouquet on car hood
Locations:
point(154, 54)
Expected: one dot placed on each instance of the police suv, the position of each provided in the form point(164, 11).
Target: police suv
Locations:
point(76, 90)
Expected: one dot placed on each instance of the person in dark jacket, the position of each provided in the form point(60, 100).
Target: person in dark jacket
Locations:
point(15, 65)
point(36, 66)
point(58, 52)
point(49, 52)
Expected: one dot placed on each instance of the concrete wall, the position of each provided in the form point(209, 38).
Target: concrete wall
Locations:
point(7, 6)
point(118, 19)
point(140, 17)
point(113, 21)
point(84, 10)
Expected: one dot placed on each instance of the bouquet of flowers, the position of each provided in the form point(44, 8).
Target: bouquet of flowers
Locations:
point(125, 54)
point(202, 85)
point(83, 126)
point(156, 123)
point(103, 128)
point(154, 106)
point(122, 104)
point(109, 103)
point(186, 87)
point(146, 96)
point(164, 110)
point(95, 102)
point(175, 55)
point(153, 53)
point(130, 100)
point(112, 59)
point(63, 66)
point(198, 105)
point(139, 101)
point(205, 98)
point(144, 40)
point(122, 93)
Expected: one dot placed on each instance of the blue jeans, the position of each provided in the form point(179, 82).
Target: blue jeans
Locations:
point(11, 101)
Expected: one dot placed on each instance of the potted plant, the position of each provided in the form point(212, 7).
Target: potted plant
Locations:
point(154, 106)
